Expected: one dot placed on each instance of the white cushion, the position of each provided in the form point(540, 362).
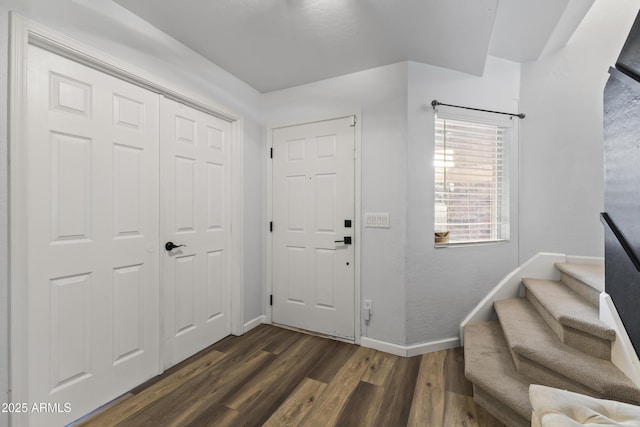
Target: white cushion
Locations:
point(559, 408)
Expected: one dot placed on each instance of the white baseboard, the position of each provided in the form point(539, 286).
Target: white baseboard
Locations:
point(429, 347)
point(576, 259)
point(387, 347)
point(623, 355)
point(254, 323)
point(409, 350)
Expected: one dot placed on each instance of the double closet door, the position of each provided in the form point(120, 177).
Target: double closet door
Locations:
point(113, 173)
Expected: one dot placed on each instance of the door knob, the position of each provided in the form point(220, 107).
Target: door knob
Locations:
point(169, 246)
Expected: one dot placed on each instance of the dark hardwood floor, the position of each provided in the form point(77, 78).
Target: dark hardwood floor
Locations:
point(276, 377)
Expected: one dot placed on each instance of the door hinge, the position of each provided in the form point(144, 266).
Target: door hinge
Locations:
point(271, 153)
point(354, 120)
point(271, 299)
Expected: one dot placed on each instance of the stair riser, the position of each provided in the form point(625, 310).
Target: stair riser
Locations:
point(489, 366)
point(543, 375)
point(514, 356)
point(531, 338)
point(498, 409)
point(590, 294)
point(585, 342)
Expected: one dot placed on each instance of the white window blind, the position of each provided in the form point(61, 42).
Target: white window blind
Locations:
point(470, 181)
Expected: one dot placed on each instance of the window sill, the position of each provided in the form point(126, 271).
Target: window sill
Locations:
point(467, 244)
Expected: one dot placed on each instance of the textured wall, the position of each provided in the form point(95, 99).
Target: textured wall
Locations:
point(562, 178)
point(444, 284)
point(622, 192)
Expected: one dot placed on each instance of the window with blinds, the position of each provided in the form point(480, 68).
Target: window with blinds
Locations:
point(470, 181)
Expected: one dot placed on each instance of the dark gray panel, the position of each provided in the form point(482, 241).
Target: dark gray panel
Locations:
point(629, 59)
point(622, 196)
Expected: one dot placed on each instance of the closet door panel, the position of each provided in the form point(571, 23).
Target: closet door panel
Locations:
point(195, 216)
point(92, 201)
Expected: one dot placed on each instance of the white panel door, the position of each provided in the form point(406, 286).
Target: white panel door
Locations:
point(92, 203)
point(195, 178)
point(313, 197)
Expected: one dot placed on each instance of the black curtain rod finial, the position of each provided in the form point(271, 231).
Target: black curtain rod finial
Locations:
point(435, 103)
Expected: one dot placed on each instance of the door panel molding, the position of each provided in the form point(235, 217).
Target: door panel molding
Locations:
point(93, 309)
point(194, 213)
point(23, 33)
point(357, 230)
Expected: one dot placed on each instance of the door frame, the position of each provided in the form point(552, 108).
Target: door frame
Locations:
point(24, 32)
point(357, 216)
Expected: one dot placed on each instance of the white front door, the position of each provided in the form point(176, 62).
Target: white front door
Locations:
point(313, 215)
point(195, 178)
point(92, 260)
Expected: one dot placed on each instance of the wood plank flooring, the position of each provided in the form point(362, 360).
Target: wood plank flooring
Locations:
point(276, 377)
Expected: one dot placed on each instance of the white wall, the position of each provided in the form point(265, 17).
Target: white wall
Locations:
point(419, 294)
point(381, 95)
point(111, 29)
point(562, 171)
point(444, 284)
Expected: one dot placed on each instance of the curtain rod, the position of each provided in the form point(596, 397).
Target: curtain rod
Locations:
point(435, 103)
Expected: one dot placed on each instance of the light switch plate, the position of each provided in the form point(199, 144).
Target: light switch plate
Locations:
point(376, 220)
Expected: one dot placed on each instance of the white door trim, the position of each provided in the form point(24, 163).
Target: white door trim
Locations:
point(358, 213)
point(25, 32)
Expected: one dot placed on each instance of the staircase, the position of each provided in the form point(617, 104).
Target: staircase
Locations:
point(553, 337)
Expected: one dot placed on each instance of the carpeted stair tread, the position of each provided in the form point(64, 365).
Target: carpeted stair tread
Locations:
point(589, 274)
point(569, 308)
point(530, 337)
point(489, 365)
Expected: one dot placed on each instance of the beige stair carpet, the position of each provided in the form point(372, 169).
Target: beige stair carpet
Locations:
point(573, 319)
point(530, 338)
point(585, 279)
point(488, 365)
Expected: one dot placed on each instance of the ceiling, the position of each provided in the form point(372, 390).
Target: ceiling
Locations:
point(275, 44)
